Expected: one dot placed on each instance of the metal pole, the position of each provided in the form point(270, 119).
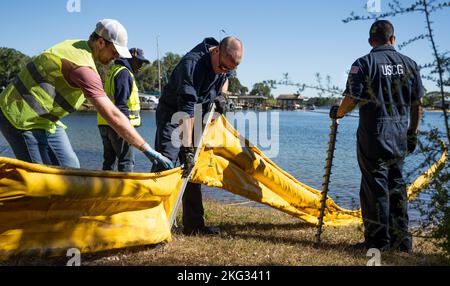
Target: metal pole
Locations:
point(198, 143)
point(159, 65)
point(326, 177)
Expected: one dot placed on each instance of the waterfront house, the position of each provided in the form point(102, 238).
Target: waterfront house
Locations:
point(290, 101)
point(257, 102)
point(438, 104)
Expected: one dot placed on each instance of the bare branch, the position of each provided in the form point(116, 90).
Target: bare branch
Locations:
point(440, 6)
point(406, 43)
point(395, 9)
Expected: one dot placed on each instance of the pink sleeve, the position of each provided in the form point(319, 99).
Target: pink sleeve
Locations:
point(89, 81)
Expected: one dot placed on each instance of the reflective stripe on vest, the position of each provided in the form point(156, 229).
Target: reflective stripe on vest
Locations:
point(134, 105)
point(40, 95)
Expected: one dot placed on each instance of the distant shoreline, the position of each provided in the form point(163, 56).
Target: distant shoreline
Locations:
point(435, 110)
point(318, 108)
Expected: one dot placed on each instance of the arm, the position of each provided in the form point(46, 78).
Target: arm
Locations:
point(187, 98)
point(91, 85)
point(121, 124)
point(347, 105)
point(353, 92)
point(187, 129)
point(415, 116)
point(225, 86)
point(416, 102)
point(118, 121)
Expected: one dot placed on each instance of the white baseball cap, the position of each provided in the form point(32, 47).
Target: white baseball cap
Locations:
point(114, 32)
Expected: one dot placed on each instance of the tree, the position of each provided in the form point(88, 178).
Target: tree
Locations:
point(261, 88)
point(147, 79)
point(11, 62)
point(168, 64)
point(433, 97)
point(235, 86)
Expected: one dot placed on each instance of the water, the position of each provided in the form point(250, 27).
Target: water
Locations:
point(303, 138)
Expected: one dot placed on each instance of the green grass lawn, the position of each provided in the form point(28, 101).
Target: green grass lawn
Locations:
point(253, 236)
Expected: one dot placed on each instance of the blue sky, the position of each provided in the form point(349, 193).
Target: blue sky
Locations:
point(298, 37)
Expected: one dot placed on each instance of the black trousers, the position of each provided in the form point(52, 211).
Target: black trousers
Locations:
point(193, 210)
point(115, 148)
point(384, 203)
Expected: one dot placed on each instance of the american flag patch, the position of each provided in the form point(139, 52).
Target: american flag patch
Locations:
point(354, 70)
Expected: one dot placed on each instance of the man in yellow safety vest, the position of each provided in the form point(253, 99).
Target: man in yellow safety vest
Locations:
point(55, 84)
point(121, 88)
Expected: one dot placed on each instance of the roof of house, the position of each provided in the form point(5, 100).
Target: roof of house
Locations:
point(252, 97)
point(290, 96)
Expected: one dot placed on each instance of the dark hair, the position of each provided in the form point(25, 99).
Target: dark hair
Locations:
point(381, 31)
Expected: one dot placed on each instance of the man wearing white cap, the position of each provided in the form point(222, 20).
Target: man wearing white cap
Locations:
point(55, 84)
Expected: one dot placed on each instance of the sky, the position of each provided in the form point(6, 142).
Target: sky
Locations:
point(297, 37)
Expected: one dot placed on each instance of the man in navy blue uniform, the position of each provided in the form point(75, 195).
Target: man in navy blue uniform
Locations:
point(388, 88)
point(198, 79)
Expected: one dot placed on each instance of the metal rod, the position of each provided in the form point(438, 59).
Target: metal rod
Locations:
point(198, 144)
point(326, 177)
point(159, 65)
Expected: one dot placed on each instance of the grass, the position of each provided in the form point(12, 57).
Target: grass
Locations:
point(253, 236)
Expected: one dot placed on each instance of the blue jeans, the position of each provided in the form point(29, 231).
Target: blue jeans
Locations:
point(115, 148)
point(39, 146)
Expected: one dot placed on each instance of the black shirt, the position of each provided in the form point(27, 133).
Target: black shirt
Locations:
point(193, 80)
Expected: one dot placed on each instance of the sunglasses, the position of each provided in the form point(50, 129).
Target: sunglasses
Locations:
point(223, 67)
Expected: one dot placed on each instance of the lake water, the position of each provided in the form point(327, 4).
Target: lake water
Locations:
point(303, 138)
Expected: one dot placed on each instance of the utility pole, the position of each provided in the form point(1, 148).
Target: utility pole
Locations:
point(159, 65)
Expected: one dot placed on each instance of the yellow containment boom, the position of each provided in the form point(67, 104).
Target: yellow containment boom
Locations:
point(47, 210)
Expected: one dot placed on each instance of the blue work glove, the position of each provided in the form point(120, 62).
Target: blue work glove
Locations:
point(333, 112)
point(156, 157)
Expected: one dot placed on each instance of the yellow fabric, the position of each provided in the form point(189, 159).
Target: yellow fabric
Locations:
point(423, 180)
point(225, 163)
point(75, 51)
point(134, 104)
point(246, 171)
point(46, 210)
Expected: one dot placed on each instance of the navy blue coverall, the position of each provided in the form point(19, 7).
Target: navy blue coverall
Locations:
point(192, 82)
point(386, 84)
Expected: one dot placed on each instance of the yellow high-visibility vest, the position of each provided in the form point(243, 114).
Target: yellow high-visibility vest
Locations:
point(40, 95)
point(134, 105)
